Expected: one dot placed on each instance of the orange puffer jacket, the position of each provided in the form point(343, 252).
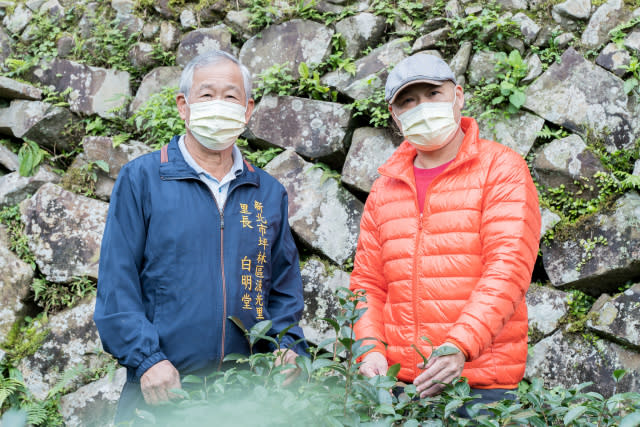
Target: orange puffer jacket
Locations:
point(459, 271)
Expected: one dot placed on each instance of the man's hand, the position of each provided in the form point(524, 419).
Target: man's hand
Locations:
point(373, 364)
point(156, 382)
point(287, 357)
point(443, 369)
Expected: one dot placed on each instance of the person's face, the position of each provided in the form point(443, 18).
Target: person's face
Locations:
point(415, 94)
point(221, 81)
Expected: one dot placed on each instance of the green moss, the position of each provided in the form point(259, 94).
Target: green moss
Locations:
point(79, 181)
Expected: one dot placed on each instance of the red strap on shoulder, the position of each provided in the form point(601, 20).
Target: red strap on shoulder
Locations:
point(251, 169)
point(164, 156)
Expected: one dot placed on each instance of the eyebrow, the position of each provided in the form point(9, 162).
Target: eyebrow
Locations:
point(227, 87)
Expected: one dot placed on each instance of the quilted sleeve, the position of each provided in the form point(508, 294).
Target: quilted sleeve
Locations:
point(510, 234)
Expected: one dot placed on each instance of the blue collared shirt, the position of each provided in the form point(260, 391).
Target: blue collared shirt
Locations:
point(219, 189)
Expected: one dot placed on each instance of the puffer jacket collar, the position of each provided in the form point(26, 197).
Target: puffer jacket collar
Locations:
point(400, 164)
point(177, 168)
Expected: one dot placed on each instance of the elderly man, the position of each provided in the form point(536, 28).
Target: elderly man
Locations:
point(449, 238)
point(195, 235)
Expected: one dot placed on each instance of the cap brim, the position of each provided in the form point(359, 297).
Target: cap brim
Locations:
point(413, 82)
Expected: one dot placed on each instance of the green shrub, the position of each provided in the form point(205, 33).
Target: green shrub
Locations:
point(157, 120)
point(488, 30)
point(506, 96)
point(18, 241)
point(329, 391)
point(375, 108)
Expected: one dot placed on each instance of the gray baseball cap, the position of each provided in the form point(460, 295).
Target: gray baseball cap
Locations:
point(418, 68)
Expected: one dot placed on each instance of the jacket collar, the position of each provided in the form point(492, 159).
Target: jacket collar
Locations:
point(400, 164)
point(177, 168)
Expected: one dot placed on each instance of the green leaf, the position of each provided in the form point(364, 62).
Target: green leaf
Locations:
point(192, 379)
point(236, 320)
point(573, 414)
point(303, 70)
point(180, 392)
point(29, 156)
point(424, 358)
point(102, 165)
point(235, 357)
point(630, 84)
point(517, 98)
point(335, 325)
point(631, 420)
point(385, 409)
point(446, 350)
point(452, 406)
point(393, 370)
point(321, 363)
point(618, 374)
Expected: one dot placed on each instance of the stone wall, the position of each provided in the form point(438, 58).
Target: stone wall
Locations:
point(579, 103)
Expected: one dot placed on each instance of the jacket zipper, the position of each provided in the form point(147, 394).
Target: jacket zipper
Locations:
point(224, 287)
point(414, 290)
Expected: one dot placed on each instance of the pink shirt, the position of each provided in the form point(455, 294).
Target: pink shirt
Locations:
point(424, 177)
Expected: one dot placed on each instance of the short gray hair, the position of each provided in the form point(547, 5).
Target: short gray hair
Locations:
point(210, 58)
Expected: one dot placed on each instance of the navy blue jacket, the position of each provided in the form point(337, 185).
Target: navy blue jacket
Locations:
point(174, 265)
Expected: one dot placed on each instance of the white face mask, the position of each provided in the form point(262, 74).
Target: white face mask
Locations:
point(430, 125)
point(216, 124)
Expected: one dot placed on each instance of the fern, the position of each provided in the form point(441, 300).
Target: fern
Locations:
point(37, 412)
point(8, 386)
point(628, 181)
point(327, 172)
point(69, 376)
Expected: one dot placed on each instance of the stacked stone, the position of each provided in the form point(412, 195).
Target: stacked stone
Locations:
point(582, 96)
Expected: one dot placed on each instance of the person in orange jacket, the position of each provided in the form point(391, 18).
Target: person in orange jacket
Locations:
point(448, 241)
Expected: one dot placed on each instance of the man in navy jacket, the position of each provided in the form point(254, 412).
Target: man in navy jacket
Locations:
point(195, 235)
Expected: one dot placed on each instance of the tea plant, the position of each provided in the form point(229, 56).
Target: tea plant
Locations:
point(330, 391)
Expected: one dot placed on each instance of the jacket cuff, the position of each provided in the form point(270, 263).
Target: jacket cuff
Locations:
point(149, 362)
point(379, 348)
point(458, 346)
